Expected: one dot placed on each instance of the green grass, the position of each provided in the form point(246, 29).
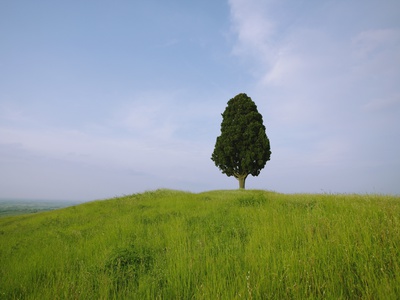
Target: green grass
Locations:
point(215, 245)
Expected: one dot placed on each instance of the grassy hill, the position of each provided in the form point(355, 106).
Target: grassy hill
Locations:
point(215, 245)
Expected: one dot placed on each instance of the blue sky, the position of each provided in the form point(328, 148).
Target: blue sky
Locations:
point(100, 99)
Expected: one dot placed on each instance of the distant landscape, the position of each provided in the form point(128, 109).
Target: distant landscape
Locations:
point(10, 207)
point(241, 244)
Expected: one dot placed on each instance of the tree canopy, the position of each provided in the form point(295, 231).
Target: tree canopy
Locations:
point(243, 147)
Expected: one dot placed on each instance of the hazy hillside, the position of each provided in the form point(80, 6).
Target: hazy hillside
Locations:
point(10, 207)
point(220, 244)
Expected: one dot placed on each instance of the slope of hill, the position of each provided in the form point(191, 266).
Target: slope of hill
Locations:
point(220, 244)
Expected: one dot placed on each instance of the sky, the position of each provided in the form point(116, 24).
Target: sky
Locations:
point(101, 99)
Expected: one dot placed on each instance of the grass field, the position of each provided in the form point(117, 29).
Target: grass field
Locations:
point(214, 245)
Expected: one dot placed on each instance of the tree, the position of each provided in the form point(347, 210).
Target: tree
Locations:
point(243, 147)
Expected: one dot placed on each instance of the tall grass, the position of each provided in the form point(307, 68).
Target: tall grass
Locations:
point(214, 245)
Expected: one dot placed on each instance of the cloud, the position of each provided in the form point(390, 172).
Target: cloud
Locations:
point(106, 151)
point(325, 88)
point(150, 140)
point(376, 42)
point(328, 91)
point(70, 155)
point(253, 29)
point(146, 120)
point(315, 65)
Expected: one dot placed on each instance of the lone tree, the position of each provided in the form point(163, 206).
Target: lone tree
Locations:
point(243, 146)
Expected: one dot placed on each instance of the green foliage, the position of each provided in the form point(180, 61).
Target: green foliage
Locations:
point(243, 147)
point(216, 245)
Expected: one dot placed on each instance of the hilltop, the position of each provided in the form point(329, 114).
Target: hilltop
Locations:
point(221, 244)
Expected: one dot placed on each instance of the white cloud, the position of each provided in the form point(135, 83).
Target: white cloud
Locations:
point(147, 114)
point(143, 138)
point(70, 154)
point(146, 120)
point(328, 91)
point(319, 86)
point(253, 29)
point(162, 138)
point(371, 42)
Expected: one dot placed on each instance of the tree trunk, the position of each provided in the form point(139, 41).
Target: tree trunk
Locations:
point(242, 181)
